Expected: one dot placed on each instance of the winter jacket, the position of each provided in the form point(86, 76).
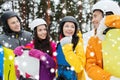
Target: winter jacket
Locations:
point(9, 42)
point(9, 66)
point(94, 62)
point(71, 63)
point(47, 65)
point(12, 40)
point(94, 55)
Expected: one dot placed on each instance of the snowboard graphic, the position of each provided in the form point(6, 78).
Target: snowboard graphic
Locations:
point(28, 65)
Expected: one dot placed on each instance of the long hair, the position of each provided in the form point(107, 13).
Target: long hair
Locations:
point(43, 45)
point(75, 38)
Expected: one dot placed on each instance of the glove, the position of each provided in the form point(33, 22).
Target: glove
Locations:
point(19, 50)
point(114, 78)
point(66, 40)
point(36, 53)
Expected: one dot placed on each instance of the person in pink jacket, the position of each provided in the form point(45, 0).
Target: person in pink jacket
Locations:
point(41, 48)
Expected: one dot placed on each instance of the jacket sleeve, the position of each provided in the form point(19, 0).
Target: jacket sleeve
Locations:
point(112, 21)
point(50, 61)
point(94, 63)
point(75, 58)
point(44, 58)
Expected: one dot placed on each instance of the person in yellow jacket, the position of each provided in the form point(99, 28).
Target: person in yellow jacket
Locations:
point(94, 52)
point(70, 52)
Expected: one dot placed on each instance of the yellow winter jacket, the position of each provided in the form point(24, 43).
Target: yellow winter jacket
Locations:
point(77, 58)
point(9, 66)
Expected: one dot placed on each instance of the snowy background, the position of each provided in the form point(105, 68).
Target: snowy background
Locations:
point(52, 11)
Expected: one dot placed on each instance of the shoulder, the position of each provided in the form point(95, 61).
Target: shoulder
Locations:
point(26, 32)
point(2, 36)
point(53, 45)
point(88, 34)
point(93, 39)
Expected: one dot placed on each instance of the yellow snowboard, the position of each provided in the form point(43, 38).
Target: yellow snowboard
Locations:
point(111, 52)
point(9, 67)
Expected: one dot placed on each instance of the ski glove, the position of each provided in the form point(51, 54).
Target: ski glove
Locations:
point(18, 50)
point(66, 40)
point(36, 53)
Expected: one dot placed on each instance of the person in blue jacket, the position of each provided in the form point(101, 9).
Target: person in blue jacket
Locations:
point(70, 52)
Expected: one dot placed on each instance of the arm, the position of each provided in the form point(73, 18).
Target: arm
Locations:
point(94, 63)
point(44, 57)
point(75, 59)
point(112, 21)
point(19, 50)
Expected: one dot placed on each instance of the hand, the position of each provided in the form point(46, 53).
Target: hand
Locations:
point(114, 78)
point(19, 50)
point(101, 29)
point(66, 40)
point(36, 53)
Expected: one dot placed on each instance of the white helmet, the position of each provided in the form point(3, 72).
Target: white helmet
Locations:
point(106, 6)
point(36, 23)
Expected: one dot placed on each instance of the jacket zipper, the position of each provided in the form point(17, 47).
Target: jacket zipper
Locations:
point(9, 73)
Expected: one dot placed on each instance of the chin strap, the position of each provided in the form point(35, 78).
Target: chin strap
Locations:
point(107, 29)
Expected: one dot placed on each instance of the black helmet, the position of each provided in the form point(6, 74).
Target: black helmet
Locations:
point(5, 16)
point(68, 19)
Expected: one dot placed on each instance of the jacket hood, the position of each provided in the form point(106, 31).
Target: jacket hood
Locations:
point(5, 16)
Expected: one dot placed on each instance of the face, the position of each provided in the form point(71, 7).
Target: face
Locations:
point(68, 28)
point(97, 17)
point(42, 31)
point(14, 24)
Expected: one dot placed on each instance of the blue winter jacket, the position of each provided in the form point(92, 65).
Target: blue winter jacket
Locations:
point(64, 69)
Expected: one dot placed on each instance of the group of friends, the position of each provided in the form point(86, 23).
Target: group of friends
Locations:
point(74, 54)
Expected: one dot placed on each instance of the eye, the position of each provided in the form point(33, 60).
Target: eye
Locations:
point(72, 26)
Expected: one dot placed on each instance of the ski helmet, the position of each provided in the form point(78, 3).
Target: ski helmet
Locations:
point(36, 23)
point(107, 6)
point(68, 19)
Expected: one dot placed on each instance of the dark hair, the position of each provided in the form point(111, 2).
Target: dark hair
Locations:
point(43, 45)
point(5, 16)
point(100, 11)
point(75, 38)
